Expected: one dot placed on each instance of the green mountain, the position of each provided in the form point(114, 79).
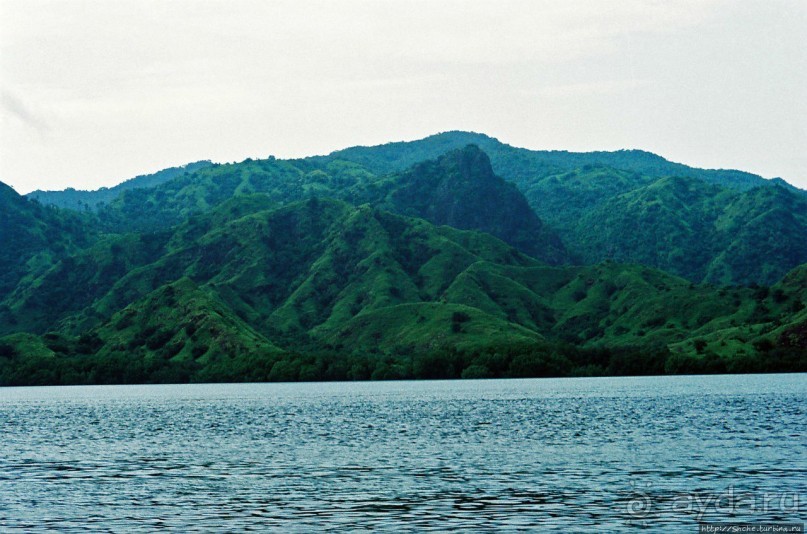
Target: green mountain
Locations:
point(91, 200)
point(632, 206)
point(441, 258)
point(719, 226)
point(34, 237)
point(321, 289)
point(694, 229)
point(520, 164)
point(458, 189)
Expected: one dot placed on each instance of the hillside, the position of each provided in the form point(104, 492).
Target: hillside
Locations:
point(453, 256)
point(685, 226)
point(34, 237)
point(458, 189)
point(717, 226)
point(320, 289)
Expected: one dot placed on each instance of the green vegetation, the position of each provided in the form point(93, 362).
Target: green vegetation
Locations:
point(685, 226)
point(324, 290)
point(519, 164)
point(34, 237)
point(716, 226)
point(91, 200)
point(458, 189)
point(373, 264)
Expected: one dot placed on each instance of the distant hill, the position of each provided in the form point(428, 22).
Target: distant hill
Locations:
point(459, 189)
point(519, 164)
point(90, 200)
point(695, 229)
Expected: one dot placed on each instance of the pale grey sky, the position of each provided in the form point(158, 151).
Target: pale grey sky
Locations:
point(97, 92)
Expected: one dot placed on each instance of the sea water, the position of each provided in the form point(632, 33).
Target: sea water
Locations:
point(587, 454)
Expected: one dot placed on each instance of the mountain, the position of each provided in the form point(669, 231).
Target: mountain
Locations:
point(629, 206)
point(90, 200)
point(277, 266)
point(295, 275)
point(458, 189)
point(684, 226)
point(520, 164)
point(717, 226)
point(321, 289)
point(448, 257)
point(34, 237)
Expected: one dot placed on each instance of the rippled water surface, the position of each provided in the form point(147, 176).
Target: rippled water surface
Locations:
point(599, 454)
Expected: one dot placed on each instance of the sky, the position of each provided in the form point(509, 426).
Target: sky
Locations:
point(97, 92)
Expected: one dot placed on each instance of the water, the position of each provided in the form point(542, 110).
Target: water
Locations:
point(602, 454)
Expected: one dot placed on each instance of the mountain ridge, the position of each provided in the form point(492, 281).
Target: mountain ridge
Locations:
point(457, 265)
point(321, 288)
point(585, 214)
point(445, 141)
point(78, 199)
point(637, 160)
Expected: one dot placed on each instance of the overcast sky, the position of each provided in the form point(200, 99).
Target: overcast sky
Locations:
point(97, 92)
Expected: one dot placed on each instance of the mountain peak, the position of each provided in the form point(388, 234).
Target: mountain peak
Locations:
point(470, 162)
point(460, 189)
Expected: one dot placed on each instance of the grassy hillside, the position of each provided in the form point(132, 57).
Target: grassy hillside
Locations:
point(34, 237)
point(409, 260)
point(321, 289)
point(718, 226)
point(682, 225)
point(458, 189)
point(632, 206)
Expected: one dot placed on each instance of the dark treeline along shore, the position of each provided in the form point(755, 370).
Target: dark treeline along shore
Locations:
point(453, 256)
